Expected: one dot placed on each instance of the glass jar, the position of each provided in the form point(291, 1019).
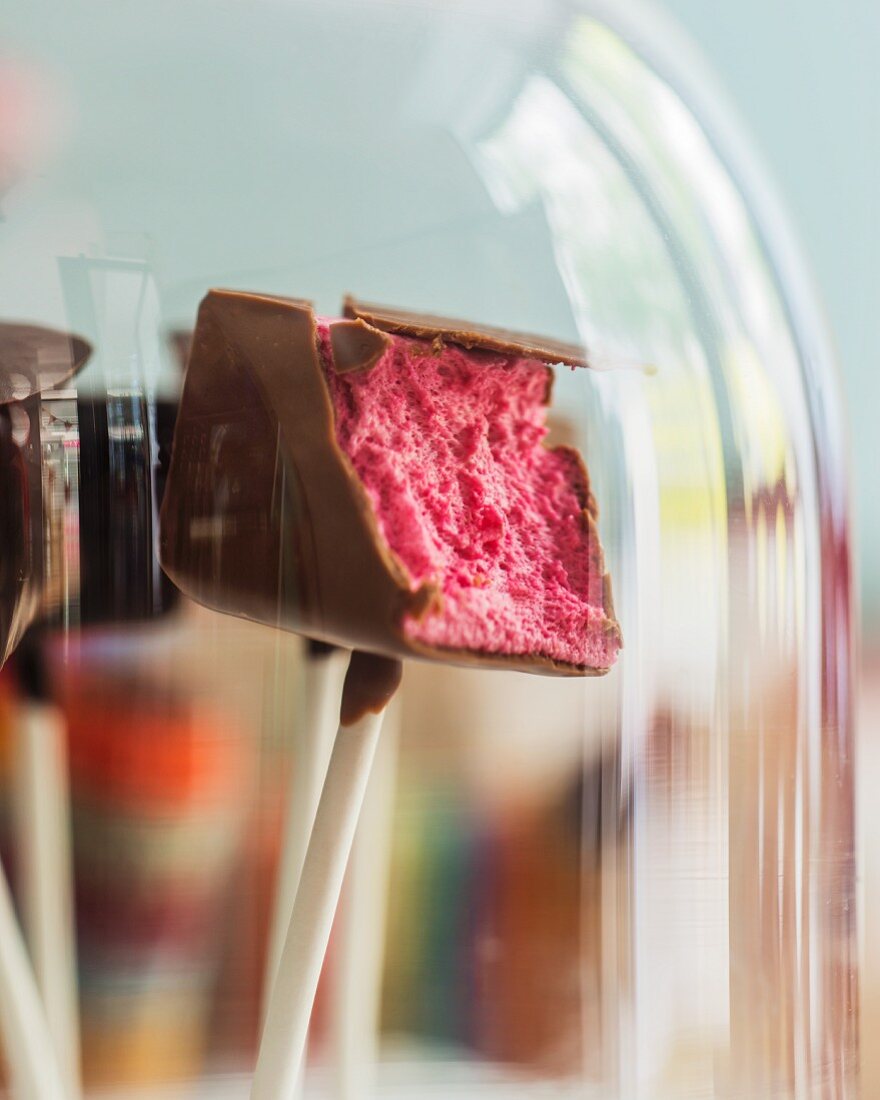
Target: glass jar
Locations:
point(639, 886)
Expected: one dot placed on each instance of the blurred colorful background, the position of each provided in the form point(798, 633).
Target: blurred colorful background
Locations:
point(807, 85)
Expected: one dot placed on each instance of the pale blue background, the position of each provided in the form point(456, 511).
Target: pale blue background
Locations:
point(804, 76)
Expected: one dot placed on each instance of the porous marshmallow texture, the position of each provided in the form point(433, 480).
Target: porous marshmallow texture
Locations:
point(448, 446)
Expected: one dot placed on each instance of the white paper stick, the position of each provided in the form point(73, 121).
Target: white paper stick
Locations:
point(356, 992)
point(28, 1046)
point(287, 1021)
point(323, 678)
point(44, 844)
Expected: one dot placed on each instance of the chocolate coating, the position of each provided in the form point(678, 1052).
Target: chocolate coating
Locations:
point(34, 359)
point(264, 516)
point(465, 333)
point(356, 346)
point(370, 683)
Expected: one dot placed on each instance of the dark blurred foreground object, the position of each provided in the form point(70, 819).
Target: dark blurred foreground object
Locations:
point(125, 447)
point(33, 360)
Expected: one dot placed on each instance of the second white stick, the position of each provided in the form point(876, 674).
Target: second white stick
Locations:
point(299, 969)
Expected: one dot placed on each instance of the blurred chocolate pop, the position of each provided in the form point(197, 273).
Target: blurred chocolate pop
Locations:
point(115, 441)
point(38, 1024)
point(33, 360)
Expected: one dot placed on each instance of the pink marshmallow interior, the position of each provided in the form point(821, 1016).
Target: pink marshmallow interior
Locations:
point(448, 447)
